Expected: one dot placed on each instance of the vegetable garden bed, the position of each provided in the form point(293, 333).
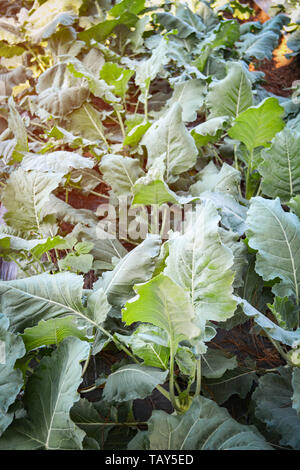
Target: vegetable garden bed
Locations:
point(149, 232)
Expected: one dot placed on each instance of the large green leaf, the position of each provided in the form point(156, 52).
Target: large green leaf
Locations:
point(56, 162)
point(232, 95)
point(291, 338)
point(50, 393)
point(117, 77)
point(258, 125)
point(11, 380)
point(120, 172)
point(86, 122)
point(205, 426)
point(45, 19)
point(199, 262)
point(42, 297)
point(52, 331)
point(137, 266)
point(273, 400)
point(261, 45)
point(278, 253)
point(59, 93)
point(132, 381)
point(163, 303)
point(190, 96)
point(169, 137)
point(184, 25)
point(280, 168)
point(25, 196)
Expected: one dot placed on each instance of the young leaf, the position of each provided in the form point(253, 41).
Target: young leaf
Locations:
point(210, 178)
point(25, 196)
point(117, 77)
point(52, 331)
point(258, 125)
point(163, 303)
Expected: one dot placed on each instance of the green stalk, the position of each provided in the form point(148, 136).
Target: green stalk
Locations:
point(171, 379)
point(198, 377)
point(120, 122)
point(248, 176)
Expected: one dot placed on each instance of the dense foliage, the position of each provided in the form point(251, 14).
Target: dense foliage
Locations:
point(139, 107)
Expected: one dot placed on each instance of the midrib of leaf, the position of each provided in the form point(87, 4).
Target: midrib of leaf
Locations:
point(157, 356)
point(50, 429)
point(289, 165)
point(239, 96)
point(291, 256)
point(128, 176)
point(35, 206)
point(95, 124)
point(233, 378)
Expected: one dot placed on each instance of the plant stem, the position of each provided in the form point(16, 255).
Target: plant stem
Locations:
point(164, 392)
point(120, 122)
point(171, 379)
point(248, 175)
point(198, 377)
